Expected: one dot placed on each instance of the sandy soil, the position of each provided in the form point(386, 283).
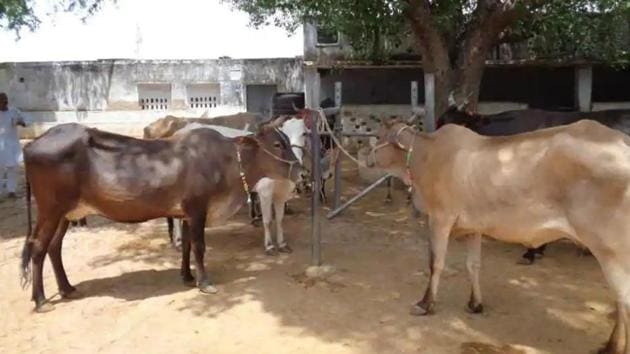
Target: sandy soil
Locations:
point(134, 302)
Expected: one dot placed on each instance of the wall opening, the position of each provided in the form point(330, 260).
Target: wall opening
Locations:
point(326, 36)
point(154, 97)
point(203, 95)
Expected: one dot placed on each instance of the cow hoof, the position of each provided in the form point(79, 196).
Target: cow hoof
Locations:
point(420, 310)
point(285, 249)
point(289, 211)
point(388, 201)
point(256, 222)
point(608, 349)
point(44, 307)
point(189, 281)
point(208, 289)
point(71, 295)
point(476, 309)
point(271, 252)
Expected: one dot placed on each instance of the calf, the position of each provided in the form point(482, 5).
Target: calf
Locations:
point(532, 188)
point(201, 176)
point(521, 121)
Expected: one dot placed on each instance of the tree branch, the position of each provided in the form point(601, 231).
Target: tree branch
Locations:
point(432, 45)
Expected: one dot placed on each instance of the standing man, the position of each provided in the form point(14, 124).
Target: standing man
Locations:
point(10, 149)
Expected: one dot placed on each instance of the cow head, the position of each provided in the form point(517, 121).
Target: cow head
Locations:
point(272, 154)
point(164, 127)
point(392, 147)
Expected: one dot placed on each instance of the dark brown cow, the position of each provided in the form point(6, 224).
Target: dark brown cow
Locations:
point(74, 171)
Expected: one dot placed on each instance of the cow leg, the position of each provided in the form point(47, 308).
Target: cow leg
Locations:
point(528, 257)
point(197, 226)
point(254, 209)
point(287, 210)
point(169, 225)
point(438, 244)
point(531, 254)
point(473, 264)
point(185, 272)
point(266, 199)
point(322, 193)
point(39, 248)
point(54, 253)
point(177, 234)
point(283, 246)
point(616, 342)
point(388, 197)
point(617, 272)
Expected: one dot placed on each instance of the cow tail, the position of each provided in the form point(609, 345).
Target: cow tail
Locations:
point(25, 268)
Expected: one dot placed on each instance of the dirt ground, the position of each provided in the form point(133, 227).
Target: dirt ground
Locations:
point(133, 300)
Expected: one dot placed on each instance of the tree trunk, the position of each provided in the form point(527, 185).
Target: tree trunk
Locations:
point(459, 72)
point(462, 81)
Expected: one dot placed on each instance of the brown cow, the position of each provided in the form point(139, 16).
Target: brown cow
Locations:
point(570, 181)
point(167, 126)
point(74, 171)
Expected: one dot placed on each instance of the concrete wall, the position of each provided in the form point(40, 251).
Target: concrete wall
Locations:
point(104, 93)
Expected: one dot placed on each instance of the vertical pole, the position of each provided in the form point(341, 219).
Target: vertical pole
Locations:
point(316, 257)
point(338, 131)
point(583, 87)
point(429, 102)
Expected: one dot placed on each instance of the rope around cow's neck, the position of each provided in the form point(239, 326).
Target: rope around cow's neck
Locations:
point(402, 147)
point(241, 172)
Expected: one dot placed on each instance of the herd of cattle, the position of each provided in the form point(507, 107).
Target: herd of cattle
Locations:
point(527, 176)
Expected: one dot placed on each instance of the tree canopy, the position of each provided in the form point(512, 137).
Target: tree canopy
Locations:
point(17, 15)
point(455, 36)
point(595, 29)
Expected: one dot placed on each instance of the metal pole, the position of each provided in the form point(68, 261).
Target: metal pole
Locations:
point(361, 194)
point(338, 130)
point(429, 102)
point(316, 257)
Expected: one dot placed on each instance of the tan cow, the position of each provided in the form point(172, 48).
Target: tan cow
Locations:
point(167, 126)
point(570, 181)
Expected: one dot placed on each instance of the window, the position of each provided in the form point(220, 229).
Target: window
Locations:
point(203, 95)
point(327, 36)
point(154, 97)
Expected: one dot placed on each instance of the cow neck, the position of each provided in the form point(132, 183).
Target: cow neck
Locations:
point(241, 172)
point(415, 146)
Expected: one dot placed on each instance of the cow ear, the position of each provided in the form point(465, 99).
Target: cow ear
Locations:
point(391, 121)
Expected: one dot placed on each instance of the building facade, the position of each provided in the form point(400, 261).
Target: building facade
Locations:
point(125, 95)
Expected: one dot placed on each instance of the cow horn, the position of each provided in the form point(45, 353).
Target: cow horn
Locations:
point(451, 99)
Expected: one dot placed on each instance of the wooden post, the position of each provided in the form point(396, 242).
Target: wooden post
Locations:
point(338, 134)
point(311, 91)
point(583, 87)
point(429, 102)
